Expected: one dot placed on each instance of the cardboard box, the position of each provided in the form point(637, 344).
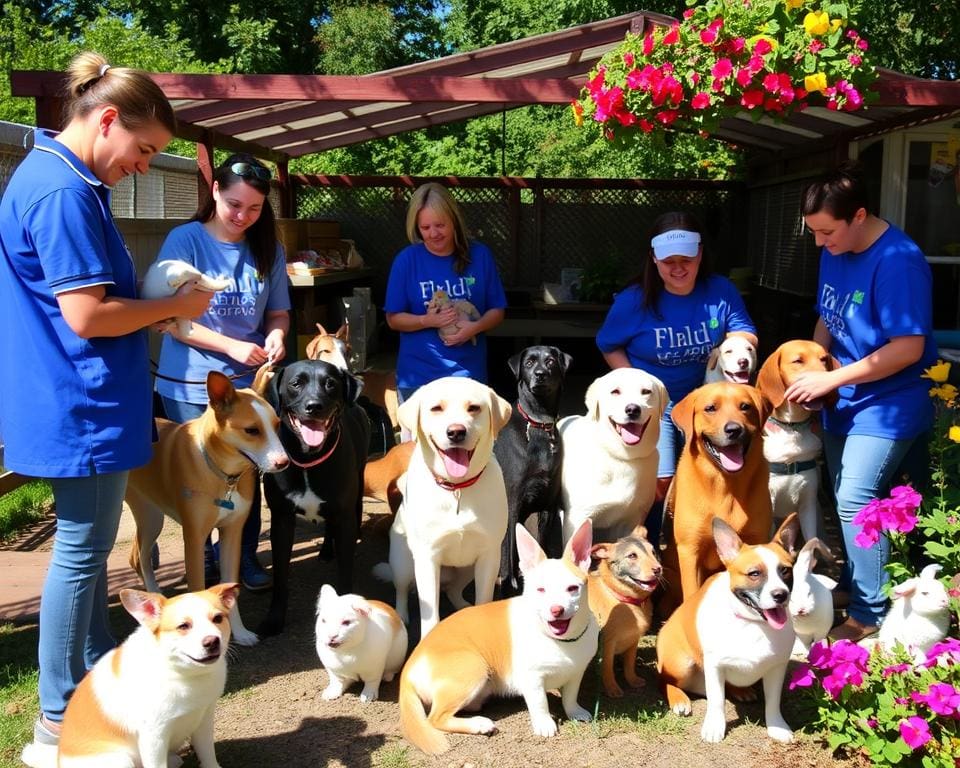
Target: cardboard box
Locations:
point(292, 234)
point(323, 228)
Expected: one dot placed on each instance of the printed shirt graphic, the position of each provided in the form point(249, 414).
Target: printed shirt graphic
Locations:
point(865, 300)
point(675, 346)
point(415, 275)
point(237, 312)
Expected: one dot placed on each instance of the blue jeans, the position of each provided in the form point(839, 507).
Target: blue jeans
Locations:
point(74, 621)
point(861, 469)
point(179, 411)
point(669, 446)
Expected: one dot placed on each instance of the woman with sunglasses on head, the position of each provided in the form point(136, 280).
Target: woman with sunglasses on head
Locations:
point(666, 321)
point(75, 402)
point(231, 236)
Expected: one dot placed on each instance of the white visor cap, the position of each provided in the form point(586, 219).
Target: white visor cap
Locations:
point(676, 242)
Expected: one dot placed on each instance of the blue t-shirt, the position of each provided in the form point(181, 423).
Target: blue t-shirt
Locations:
point(674, 343)
point(69, 407)
point(415, 275)
point(866, 299)
point(238, 311)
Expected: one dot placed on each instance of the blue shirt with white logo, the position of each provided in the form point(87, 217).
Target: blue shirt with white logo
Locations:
point(674, 343)
point(238, 312)
point(69, 407)
point(865, 300)
point(415, 275)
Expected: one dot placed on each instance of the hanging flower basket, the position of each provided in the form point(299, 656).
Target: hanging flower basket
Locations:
point(765, 57)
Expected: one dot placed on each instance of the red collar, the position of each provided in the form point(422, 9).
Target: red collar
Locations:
point(448, 486)
point(548, 426)
point(629, 598)
point(322, 458)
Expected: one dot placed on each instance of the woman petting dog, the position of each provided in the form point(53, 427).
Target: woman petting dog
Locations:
point(441, 258)
point(666, 321)
point(876, 318)
point(231, 236)
point(68, 298)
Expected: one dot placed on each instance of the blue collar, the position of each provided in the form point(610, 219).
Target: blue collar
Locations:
point(45, 141)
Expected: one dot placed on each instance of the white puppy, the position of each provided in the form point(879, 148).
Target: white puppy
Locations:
point(609, 471)
point(358, 639)
point(165, 278)
point(454, 510)
point(734, 360)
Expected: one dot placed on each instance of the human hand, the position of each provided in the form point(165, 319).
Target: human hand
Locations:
point(466, 330)
point(246, 352)
point(439, 319)
point(811, 385)
point(274, 345)
point(191, 303)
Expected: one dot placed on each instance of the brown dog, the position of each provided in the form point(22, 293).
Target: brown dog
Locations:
point(721, 473)
point(619, 594)
point(380, 477)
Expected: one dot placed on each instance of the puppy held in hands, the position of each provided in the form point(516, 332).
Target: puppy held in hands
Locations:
point(164, 278)
point(465, 311)
point(358, 639)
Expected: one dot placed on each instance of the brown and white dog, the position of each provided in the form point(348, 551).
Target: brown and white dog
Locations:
point(722, 473)
point(454, 510)
point(734, 630)
point(202, 474)
point(790, 443)
point(734, 360)
point(620, 588)
point(145, 698)
point(523, 646)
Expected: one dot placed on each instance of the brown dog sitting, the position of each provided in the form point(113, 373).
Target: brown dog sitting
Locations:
point(619, 593)
point(721, 473)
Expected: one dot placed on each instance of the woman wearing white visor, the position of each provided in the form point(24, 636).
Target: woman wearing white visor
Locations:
point(666, 321)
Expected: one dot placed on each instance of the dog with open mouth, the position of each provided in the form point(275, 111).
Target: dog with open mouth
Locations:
point(609, 470)
point(721, 473)
point(733, 360)
point(326, 436)
point(735, 630)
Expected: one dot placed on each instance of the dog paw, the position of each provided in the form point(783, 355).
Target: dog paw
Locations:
point(636, 682)
point(682, 708)
point(543, 725)
point(579, 714)
point(332, 692)
point(780, 731)
point(714, 728)
point(245, 637)
point(613, 691)
point(482, 726)
point(388, 676)
point(369, 693)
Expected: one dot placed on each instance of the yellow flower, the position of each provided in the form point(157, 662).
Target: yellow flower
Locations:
point(577, 113)
point(939, 372)
point(954, 434)
point(815, 82)
point(816, 23)
point(791, 4)
point(834, 23)
point(946, 392)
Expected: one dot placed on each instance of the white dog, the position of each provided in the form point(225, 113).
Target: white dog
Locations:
point(165, 278)
point(454, 510)
point(734, 360)
point(609, 471)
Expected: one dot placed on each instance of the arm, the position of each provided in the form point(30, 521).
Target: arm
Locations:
point(407, 322)
point(617, 358)
point(821, 335)
point(276, 325)
point(246, 352)
point(468, 329)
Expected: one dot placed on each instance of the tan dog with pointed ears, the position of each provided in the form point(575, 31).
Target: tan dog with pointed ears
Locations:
point(524, 646)
point(734, 631)
point(454, 510)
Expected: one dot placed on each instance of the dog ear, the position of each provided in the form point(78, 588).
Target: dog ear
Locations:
point(220, 391)
point(578, 548)
point(500, 411)
point(663, 397)
point(343, 332)
point(640, 532)
point(764, 406)
point(727, 541)
point(514, 365)
point(327, 595)
point(352, 387)
point(271, 392)
point(361, 606)
point(769, 380)
point(682, 415)
point(145, 607)
point(261, 379)
point(788, 534)
point(528, 550)
point(592, 399)
point(713, 359)
point(227, 593)
point(600, 551)
point(408, 414)
point(565, 360)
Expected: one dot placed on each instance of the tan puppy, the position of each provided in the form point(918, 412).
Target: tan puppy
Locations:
point(722, 473)
point(524, 646)
point(733, 631)
point(454, 510)
point(145, 698)
point(465, 311)
point(620, 590)
point(202, 474)
point(609, 471)
point(790, 444)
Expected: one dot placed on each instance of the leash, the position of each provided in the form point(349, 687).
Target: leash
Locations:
point(323, 458)
point(232, 377)
point(225, 502)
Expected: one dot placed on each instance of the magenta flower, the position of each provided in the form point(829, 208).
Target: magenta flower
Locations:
point(820, 655)
point(944, 653)
point(700, 100)
point(743, 78)
point(895, 669)
point(752, 97)
point(672, 36)
point(942, 698)
point(635, 79)
point(802, 677)
point(763, 47)
point(855, 60)
point(862, 44)
point(771, 82)
point(628, 59)
point(915, 732)
point(648, 44)
point(816, 46)
point(722, 69)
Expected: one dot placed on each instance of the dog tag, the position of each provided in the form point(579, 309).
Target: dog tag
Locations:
point(456, 495)
point(224, 503)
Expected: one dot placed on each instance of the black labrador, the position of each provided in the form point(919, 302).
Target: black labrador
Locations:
point(530, 453)
point(326, 435)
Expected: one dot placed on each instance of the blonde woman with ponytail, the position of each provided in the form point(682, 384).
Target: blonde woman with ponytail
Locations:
point(75, 403)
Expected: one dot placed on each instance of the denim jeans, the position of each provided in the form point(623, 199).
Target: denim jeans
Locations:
point(669, 446)
point(179, 411)
point(861, 469)
point(74, 621)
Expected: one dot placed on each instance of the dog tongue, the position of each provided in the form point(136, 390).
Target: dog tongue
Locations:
point(776, 617)
point(739, 377)
point(559, 627)
point(631, 433)
point(313, 433)
point(456, 461)
point(731, 457)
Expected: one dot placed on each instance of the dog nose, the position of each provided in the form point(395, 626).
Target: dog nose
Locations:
point(657, 570)
point(556, 611)
point(456, 433)
point(780, 596)
point(279, 461)
point(733, 430)
point(743, 363)
point(313, 407)
point(211, 643)
point(632, 410)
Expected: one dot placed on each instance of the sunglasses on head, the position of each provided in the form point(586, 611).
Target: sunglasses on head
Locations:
point(249, 170)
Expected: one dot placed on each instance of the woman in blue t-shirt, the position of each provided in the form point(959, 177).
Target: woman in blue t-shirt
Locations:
point(876, 319)
point(666, 322)
point(232, 236)
point(441, 258)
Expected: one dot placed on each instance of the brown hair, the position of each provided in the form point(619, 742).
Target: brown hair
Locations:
point(92, 82)
point(439, 200)
point(840, 193)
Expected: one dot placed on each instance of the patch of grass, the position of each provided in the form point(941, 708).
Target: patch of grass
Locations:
point(23, 506)
point(392, 756)
point(18, 690)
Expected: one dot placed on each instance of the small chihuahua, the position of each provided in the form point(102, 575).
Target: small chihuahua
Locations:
point(146, 697)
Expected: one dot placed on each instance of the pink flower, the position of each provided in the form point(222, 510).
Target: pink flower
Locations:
point(722, 69)
point(624, 117)
point(895, 669)
point(915, 732)
point(667, 116)
point(645, 125)
point(802, 677)
point(855, 60)
point(635, 79)
point(743, 78)
point(695, 78)
point(816, 46)
point(942, 698)
point(737, 45)
point(609, 102)
point(688, 13)
point(763, 47)
point(667, 89)
point(672, 36)
point(771, 82)
point(648, 44)
point(772, 105)
point(755, 64)
point(700, 100)
point(708, 36)
point(752, 97)
point(628, 59)
point(946, 652)
point(862, 44)
point(852, 34)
